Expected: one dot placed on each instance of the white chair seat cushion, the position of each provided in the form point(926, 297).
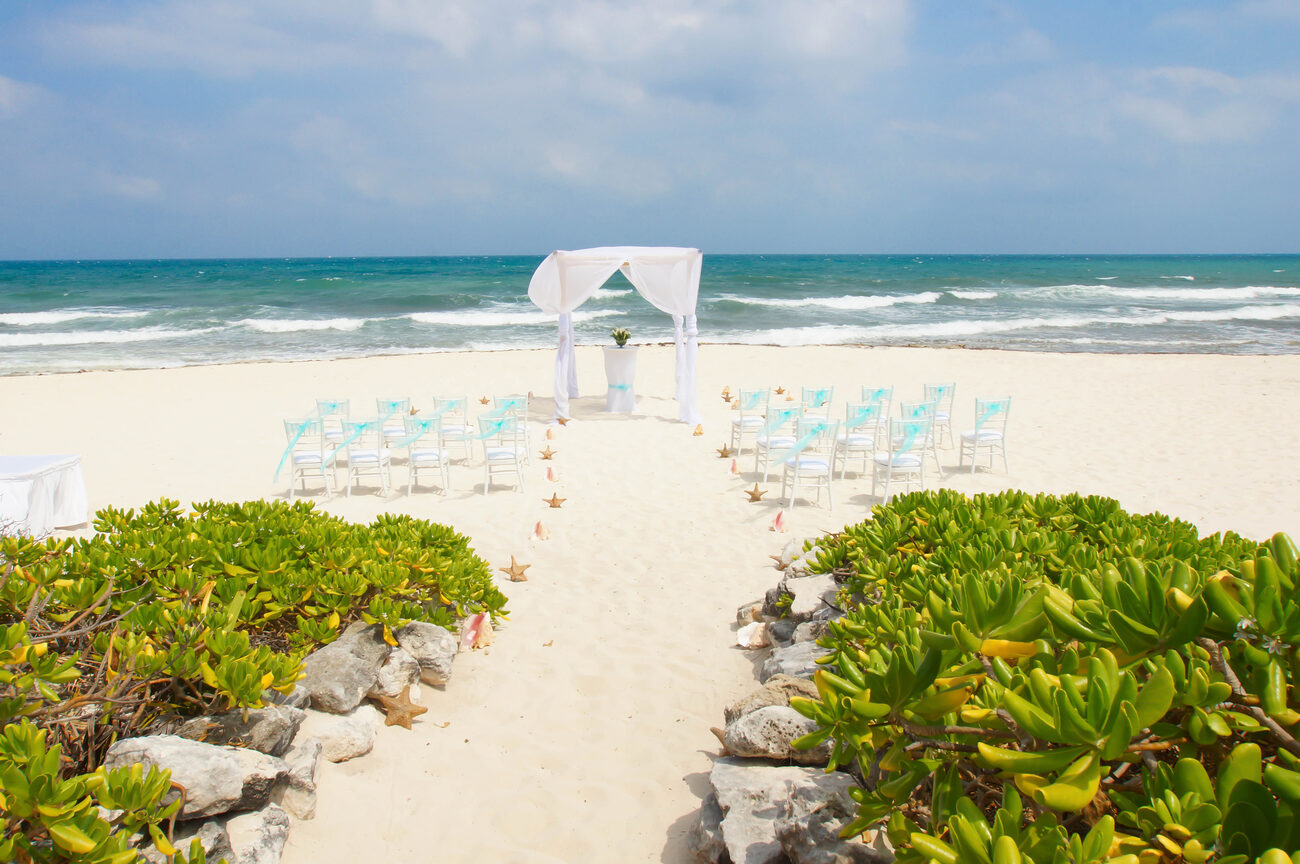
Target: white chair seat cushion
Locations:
point(500, 454)
point(858, 439)
point(307, 458)
point(776, 441)
point(748, 422)
point(457, 429)
point(809, 463)
point(369, 457)
point(984, 435)
point(941, 416)
point(902, 460)
point(426, 455)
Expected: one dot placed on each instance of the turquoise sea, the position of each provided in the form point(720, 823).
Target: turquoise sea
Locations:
point(69, 315)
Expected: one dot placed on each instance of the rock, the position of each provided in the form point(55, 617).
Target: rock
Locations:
point(809, 631)
point(298, 796)
point(777, 691)
point(772, 603)
point(766, 733)
point(788, 553)
point(752, 635)
point(750, 795)
point(749, 613)
point(340, 675)
point(298, 697)
point(212, 837)
point(809, 832)
point(258, 838)
point(705, 838)
point(342, 736)
point(399, 671)
point(215, 779)
point(799, 661)
point(808, 594)
point(433, 647)
point(781, 631)
point(268, 730)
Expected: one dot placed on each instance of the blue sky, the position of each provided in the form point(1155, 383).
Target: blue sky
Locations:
point(415, 127)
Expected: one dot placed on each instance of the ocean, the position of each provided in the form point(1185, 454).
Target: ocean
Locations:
point(71, 315)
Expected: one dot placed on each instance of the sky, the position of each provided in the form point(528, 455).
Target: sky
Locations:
point(269, 128)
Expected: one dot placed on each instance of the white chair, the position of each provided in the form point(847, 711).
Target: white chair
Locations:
point(813, 460)
point(305, 454)
point(816, 401)
point(990, 433)
point(333, 414)
point(942, 396)
point(391, 412)
point(505, 447)
point(862, 421)
point(922, 411)
point(424, 451)
point(519, 405)
point(367, 455)
point(751, 406)
point(775, 436)
point(457, 431)
point(882, 396)
point(905, 460)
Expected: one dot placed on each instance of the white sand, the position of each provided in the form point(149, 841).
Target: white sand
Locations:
point(583, 733)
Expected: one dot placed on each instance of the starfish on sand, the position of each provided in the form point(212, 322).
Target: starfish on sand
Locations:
point(399, 710)
point(755, 494)
point(484, 400)
point(555, 500)
point(780, 391)
point(563, 421)
point(548, 452)
point(516, 570)
point(725, 452)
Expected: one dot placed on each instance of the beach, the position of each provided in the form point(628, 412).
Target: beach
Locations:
point(583, 732)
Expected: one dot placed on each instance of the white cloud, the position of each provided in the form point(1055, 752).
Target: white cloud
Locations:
point(130, 187)
point(16, 97)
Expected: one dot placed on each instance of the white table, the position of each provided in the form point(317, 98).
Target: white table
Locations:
point(41, 493)
point(620, 372)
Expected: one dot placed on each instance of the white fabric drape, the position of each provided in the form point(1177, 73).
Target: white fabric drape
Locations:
point(668, 277)
point(41, 493)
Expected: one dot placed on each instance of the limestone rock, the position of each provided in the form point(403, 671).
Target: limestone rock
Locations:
point(399, 671)
point(777, 691)
point(808, 594)
point(798, 660)
point(298, 697)
point(809, 832)
point(750, 795)
point(705, 838)
point(749, 613)
point(340, 675)
point(298, 796)
point(258, 838)
point(781, 632)
point(216, 779)
point(433, 647)
point(342, 736)
point(268, 730)
point(809, 631)
point(767, 732)
point(211, 835)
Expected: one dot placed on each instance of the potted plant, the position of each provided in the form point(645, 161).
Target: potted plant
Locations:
point(620, 336)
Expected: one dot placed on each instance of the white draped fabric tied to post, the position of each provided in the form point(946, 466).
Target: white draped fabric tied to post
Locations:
point(668, 277)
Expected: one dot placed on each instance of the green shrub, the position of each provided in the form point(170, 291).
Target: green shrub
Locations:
point(1027, 677)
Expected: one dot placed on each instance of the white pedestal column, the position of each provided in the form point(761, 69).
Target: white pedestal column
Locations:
point(620, 372)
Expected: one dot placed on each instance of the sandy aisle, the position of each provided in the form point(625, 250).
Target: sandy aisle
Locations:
point(582, 734)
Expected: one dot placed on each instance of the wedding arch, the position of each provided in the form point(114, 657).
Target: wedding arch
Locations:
point(667, 276)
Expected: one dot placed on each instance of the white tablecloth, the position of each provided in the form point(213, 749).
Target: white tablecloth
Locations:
point(41, 493)
point(620, 371)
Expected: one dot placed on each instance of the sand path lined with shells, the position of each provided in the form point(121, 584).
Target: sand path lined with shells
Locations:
point(582, 734)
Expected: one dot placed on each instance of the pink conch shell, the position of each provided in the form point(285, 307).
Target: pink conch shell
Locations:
point(541, 532)
point(734, 469)
point(550, 474)
point(550, 434)
point(778, 524)
point(471, 629)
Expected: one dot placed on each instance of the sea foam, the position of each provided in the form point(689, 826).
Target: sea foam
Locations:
point(293, 325)
point(36, 319)
point(96, 337)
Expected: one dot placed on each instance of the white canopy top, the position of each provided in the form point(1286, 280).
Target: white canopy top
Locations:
point(667, 276)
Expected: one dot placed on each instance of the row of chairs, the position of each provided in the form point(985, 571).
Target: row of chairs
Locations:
point(318, 444)
point(801, 434)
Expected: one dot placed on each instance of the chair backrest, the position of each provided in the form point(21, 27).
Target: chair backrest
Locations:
point(992, 414)
point(502, 428)
point(363, 434)
point(942, 395)
point(517, 404)
point(304, 435)
point(392, 407)
point(417, 429)
point(863, 417)
point(816, 434)
point(451, 406)
point(778, 419)
point(817, 400)
point(753, 401)
point(332, 408)
point(906, 436)
point(917, 410)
